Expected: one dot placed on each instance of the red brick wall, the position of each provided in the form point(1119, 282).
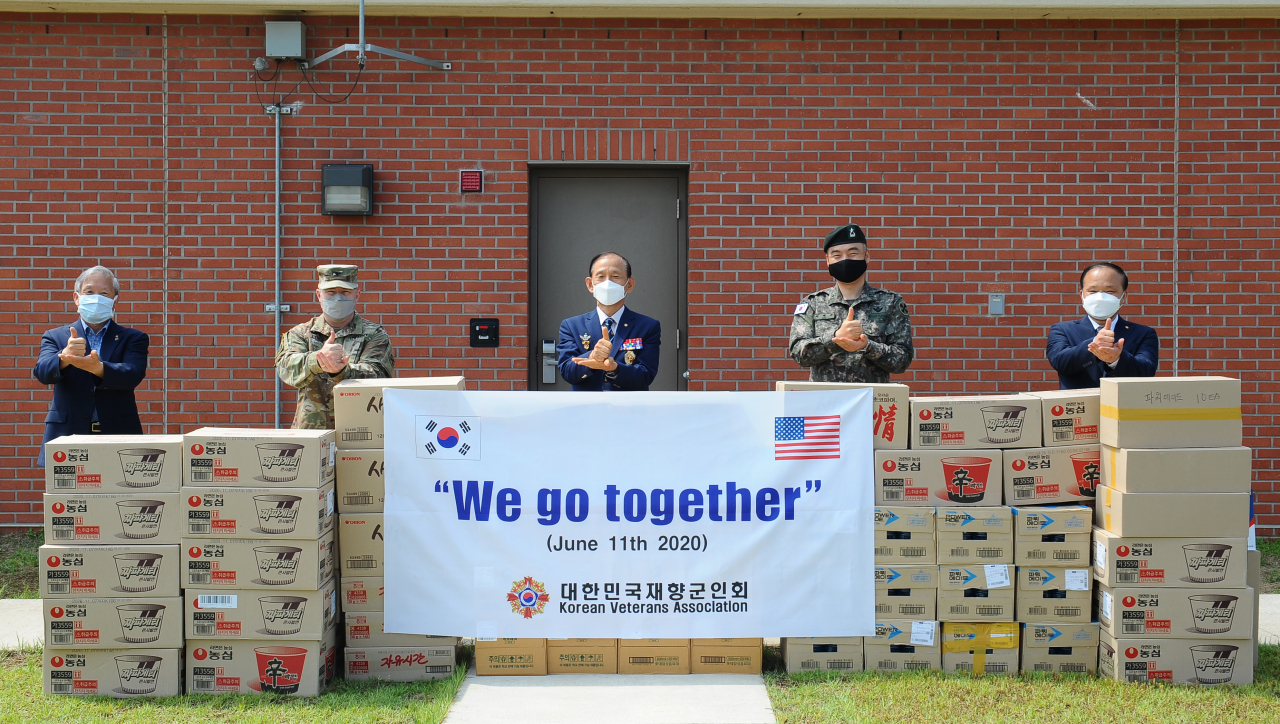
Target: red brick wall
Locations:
point(981, 157)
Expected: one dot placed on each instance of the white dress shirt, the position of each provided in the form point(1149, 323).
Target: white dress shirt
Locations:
point(616, 317)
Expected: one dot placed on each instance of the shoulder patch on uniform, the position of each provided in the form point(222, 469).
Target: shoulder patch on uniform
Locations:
point(801, 308)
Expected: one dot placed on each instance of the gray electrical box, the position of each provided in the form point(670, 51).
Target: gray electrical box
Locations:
point(286, 40)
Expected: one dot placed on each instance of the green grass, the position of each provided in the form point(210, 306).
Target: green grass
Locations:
point(1270, 549)
point(20, 564)
point(1056, 699)
point(22, 700)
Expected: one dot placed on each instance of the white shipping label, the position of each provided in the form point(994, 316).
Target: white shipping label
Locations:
point(922, 632)
point(1106, 605)
point(1100, 555)
point(333, 453)
point(997, 576)
point(216, 600)
point(1077, 579)
point(330, 503)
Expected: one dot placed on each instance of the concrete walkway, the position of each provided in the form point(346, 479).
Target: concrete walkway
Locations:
point(21, 623)
point(610, 699)
point(1269, 618)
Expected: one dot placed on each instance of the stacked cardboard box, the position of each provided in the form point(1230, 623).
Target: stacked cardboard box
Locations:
point(258, 560)
point(650, 656)
point(906, 535)
point(109, 566)
point(371, 652)
point(980, 648)
point(906, 592)
point(1051, 548)
point(1169, 537)
point(836, 653)
point(903, 646)
point(726, 656)
point(1066, 468)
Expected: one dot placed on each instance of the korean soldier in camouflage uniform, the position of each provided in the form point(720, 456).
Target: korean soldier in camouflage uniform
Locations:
point(852, 332)
point(335, 346)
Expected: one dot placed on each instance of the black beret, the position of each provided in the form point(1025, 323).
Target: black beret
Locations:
point(849, 234)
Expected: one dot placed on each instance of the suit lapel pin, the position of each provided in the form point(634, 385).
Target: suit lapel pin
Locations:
point(586, 341)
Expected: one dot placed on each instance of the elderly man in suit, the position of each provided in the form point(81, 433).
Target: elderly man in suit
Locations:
point(94, 364)
point(610, 348)
point(1102, 344)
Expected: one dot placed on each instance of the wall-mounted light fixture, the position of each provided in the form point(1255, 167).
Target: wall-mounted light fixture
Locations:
point(347, 189)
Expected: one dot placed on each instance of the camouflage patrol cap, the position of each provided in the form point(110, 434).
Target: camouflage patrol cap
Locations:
point(847, 234)
point(337, 276)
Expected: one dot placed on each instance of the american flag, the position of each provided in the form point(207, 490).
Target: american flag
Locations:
point(806, 438)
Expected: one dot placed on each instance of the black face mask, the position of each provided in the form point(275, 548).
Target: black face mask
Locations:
point(848, 270)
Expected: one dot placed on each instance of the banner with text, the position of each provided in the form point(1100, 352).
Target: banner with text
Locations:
point(614, 515)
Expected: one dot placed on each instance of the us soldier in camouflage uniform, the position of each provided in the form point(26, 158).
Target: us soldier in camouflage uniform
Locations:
point(335, 346)
point(852, 332)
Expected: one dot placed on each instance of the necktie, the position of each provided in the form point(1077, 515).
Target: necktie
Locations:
point(608, 325)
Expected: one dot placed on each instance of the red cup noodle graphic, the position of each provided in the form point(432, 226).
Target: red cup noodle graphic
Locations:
point(966, 478)
point(139, 673)
point(1131, 653)
point(1057, 410)
point(59, 457)
point(1128, 601)
point(197, 449)
point(1019, 464)
point(1088, 467)
point(200, 654)
point(1122, 551)
point(889, 466)
point(1207, 562)
point(926, 414)
point(1214, 662)
point(58, 508)
point(280, 668)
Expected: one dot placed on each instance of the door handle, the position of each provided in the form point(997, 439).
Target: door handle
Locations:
point(548, 362)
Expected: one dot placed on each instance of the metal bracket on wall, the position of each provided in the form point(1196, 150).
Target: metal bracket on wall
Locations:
point(362, 47)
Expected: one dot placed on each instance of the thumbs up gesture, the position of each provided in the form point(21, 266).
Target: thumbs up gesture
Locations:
point(600, 358)
point(75, 345)
point(850, 336)
point(1104, 345)
point(331, 357)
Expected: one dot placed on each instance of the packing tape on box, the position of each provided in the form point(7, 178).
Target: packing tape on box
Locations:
point(980, 638)
point(1194, 414)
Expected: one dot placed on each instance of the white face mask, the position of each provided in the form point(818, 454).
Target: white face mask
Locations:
point(1101, 305)
point(96, 308)
point(608, 293)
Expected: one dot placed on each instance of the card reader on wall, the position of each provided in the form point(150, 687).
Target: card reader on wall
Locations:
point(484, 332)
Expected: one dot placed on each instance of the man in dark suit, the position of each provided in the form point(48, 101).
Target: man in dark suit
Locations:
point(1103, 344)
point(94, 364)
point(610, 347)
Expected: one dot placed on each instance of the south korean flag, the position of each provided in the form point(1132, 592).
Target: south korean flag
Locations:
point(448, 438)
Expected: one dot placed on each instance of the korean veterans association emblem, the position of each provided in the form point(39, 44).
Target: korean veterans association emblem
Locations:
point(528, 597)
